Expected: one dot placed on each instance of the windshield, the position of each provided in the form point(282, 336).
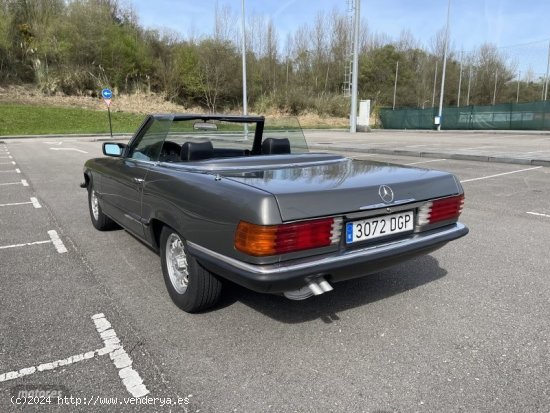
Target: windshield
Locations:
point(169, 139)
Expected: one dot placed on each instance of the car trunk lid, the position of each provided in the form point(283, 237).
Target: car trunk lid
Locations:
point(308, 191)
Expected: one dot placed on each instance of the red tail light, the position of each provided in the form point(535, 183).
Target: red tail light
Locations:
point(439, 210)
point(264, 240)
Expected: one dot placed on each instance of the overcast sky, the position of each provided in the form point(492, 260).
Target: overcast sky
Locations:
point(473, 22)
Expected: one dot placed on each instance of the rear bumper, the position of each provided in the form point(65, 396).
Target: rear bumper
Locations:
point(292, 275)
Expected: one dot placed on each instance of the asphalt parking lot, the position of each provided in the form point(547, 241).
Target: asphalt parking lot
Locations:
point(463, 329)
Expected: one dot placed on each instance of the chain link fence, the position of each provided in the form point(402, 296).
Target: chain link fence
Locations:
point(506, 116)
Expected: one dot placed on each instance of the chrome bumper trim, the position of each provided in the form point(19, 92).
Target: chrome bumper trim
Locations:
point(417, 240)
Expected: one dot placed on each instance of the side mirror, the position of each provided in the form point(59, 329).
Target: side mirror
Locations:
point(113, 149)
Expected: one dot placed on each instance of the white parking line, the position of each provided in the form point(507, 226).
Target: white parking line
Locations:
point(433, 160)
point(10, 170)
point(68, 149)
point(7, 163)
point(478, 147)
point(122, 361)
point(112, 346)
point(33, 201)
point(502, 174)
point(538, 214)
point(54, 239)
point(24, 245)
point(58, 244)
point(12, 375)
point(22, 182)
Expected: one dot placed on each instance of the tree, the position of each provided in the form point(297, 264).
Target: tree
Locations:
point(491, 69)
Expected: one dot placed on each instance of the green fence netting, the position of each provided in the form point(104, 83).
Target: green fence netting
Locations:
point(518, 116)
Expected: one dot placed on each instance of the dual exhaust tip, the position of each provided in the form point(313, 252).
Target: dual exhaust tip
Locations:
point(317, 286)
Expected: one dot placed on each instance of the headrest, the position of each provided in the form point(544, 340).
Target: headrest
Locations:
point(272, 146)
point(195, 151)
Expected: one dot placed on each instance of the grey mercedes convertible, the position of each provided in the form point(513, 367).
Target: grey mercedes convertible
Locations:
point(232, 198)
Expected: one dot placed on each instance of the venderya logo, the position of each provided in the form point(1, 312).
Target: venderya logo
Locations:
point(386, 194)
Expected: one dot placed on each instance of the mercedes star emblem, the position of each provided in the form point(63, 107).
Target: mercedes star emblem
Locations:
point(386, 194)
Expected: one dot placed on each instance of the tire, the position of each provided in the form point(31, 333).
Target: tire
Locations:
point(191, 287)
point(100, 221)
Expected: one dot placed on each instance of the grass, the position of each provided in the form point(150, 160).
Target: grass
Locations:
point(44, 120)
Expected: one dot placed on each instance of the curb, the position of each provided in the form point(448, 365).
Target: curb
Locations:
point(59, 136)
point(468, 131)
point(454, 156)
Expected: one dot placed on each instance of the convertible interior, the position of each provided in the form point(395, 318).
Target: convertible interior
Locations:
point(191, 151)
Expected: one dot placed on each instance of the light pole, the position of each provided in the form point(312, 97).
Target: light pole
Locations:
point(245, 107)
point(355, 68)
point(469, 84)
point(546, 78)
point(444, 66)
point(517, 93)
point(435, 83)
point(495, 91)
point(395, 84)
point(459, 81)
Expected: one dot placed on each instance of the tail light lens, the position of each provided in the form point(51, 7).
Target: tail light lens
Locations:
point(439, 210)
point(265, 240)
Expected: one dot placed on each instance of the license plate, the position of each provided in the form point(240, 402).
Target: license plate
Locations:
point(382, 226)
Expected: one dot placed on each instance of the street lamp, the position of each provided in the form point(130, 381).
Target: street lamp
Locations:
point(245, 108)
point(444, 66)
point(355, 68)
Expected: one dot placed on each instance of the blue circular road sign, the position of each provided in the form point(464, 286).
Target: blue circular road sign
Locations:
point(106, 93)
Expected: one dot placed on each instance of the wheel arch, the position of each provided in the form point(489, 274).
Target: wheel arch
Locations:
point(87, 179)
point(156, 226)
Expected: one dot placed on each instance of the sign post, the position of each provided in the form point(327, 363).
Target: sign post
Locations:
point(107, 95)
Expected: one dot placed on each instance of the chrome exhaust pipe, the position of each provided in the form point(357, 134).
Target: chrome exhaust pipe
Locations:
point(320, 286)
point(317, 286)
point(325, 286)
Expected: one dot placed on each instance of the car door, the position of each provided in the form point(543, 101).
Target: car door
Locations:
point(123, 187)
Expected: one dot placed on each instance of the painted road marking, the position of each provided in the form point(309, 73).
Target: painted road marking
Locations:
point(58, 244)
point(33, 201)
point(538, 214)
point(22, 182)
point(478, 147)
point(54, 239)
point(505, 173)
point(68, 149)
point(112, 346)
point(433, 160)
point(12, 375)
point(7, 163)
point(10, 170)
point(122, 361)
point(24, 245)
